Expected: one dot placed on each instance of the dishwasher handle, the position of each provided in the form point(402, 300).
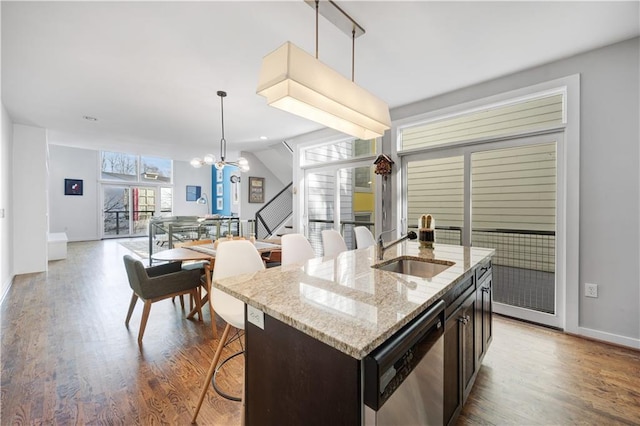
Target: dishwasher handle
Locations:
point(393, 348)
point(387, 366)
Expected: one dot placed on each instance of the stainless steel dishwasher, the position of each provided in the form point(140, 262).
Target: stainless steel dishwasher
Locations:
point(403, 377)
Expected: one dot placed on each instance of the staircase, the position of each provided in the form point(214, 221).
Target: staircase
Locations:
point(273, 216)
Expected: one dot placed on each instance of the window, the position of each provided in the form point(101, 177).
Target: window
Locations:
point(336, 151)
point(489, 121)
point(119, 166)
point(155, 169)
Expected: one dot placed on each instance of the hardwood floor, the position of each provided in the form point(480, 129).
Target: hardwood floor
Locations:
point(67, 358)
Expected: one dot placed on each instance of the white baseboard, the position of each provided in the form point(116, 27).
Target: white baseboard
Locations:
point(7, 287)
point(609, 337)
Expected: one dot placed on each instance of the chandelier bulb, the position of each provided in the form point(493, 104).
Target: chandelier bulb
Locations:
point(196, 162)
point(209, 159)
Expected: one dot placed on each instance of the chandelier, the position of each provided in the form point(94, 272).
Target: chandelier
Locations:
point(210, 159)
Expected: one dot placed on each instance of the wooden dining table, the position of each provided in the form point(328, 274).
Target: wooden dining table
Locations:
point(206, 252)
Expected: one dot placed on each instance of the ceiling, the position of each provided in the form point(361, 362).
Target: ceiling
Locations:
point(149, 71)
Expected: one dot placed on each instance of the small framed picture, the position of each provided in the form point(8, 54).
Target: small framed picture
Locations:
point(193, 192)
point(219, 190)
point(256, 189)
point(73, 187)
point(219, 204)
point(218, 175)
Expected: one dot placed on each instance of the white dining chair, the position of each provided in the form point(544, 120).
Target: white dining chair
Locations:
point(364, 237)
point(332, 242)
point(232, 258)
point(295, 249)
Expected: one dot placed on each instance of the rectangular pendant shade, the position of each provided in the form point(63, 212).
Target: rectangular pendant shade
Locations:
point(297, 82)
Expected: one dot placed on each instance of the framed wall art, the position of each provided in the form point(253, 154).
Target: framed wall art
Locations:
point(73, 187)
point(193, 192)
point(256, 189)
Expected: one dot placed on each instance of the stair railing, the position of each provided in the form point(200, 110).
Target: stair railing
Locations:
point(273, 214)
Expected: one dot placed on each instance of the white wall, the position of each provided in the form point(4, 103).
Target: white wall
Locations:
point(29, 199)
point(272, 185)
point(80, 216)
point(76, 215)
point(609, 176)
point(184, 174)
point(6, 221)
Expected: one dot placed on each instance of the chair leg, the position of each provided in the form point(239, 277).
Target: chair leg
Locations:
point(214, 363)
point(195, 298)
point(173, 299)
point(134, 299)
point(143, 321)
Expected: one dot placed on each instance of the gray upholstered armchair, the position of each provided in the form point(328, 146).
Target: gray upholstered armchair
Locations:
point(158, 283)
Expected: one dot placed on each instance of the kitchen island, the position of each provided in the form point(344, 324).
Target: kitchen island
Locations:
point(309, 326)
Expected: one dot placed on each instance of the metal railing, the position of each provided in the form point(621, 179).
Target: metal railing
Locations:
point(524, 266)
point(446, 234)
point(274, 213)
point(114, 225)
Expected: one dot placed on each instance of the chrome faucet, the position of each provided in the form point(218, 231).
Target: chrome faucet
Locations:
point(382, 248)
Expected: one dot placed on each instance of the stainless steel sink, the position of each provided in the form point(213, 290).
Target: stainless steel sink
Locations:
point(425, 268)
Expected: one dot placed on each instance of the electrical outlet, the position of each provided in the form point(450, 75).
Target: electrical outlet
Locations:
point(590, 290)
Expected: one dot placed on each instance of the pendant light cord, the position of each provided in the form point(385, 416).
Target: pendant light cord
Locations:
point(317, 9)
point(353, 53)
point(223, 141)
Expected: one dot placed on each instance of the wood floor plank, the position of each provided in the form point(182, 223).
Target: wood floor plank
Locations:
point(67, 358)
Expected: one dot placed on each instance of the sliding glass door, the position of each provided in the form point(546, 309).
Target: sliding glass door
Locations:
point(500, 195)
point(127, 209)
point(339, 197)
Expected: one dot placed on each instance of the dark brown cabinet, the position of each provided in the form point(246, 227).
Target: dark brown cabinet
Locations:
point(484, 312)
point(458, 338)
point(468, 327)
point(468, 331)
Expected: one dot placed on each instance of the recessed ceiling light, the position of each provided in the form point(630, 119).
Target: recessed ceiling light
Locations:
point(264, 138)
point(88, 117)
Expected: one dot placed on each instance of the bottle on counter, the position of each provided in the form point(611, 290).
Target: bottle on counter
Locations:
point(426, 230)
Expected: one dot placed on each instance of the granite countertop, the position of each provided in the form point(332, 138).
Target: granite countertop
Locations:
point(345, 303)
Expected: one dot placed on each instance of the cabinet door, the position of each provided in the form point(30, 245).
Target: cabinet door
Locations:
point(452, 366)
point(467, 323)
point(487, 314)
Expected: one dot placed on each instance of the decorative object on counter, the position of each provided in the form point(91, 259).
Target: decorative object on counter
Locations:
point(73, 187)
point(256, 189)
point(294, 81)
point(426, 231)
point(383, 165)
point(210, 159)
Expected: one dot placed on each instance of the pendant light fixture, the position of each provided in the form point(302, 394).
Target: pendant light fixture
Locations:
point(295, 81)
point(210, 159)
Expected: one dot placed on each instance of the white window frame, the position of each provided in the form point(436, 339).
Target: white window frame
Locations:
point(568, 175)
